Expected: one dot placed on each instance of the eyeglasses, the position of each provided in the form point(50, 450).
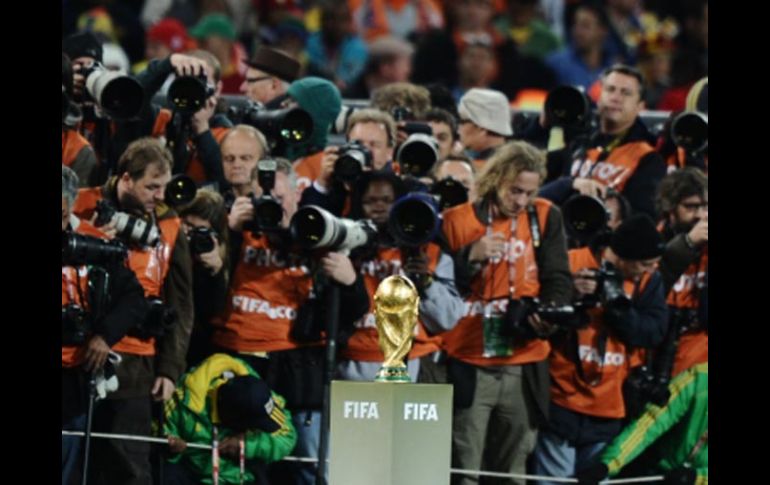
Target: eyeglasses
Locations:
point(252, 80)
point(695, 206)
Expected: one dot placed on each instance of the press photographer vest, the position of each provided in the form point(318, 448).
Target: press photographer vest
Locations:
point(364, 345)
point(264, 296)
point(72, 288)
point(677, 160)
point(491, 287)
point(606, 361)
point(614, 167)
point(150, 264)
point(194, 167)
point(693, 345)
point(308, 169)
point(71, 144)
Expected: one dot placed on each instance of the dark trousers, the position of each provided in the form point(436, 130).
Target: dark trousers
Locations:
point(121, 462)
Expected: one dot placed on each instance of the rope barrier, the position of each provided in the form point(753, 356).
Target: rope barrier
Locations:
point(151, 439)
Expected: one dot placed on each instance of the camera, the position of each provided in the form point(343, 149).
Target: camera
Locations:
point(74, 325)
point(643, 386)
point(200, 240)
point(515, 320)
point(130, 228)
point(79, 250)
point(351, 160)
point(449, 193)
point(188, 94)
point(690, 130)
point(160, 319)
point(288, 125)
point(568, 107)
point(609, 289)
point(414, 219)
point(417, 155)
point(315, 228)
point(119, 96)
point(268, 213)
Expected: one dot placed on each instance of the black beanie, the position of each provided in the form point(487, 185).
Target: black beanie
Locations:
point(245, 402)
point(637, 239)
point(82, 44)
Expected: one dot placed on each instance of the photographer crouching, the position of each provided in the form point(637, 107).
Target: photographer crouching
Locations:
point(130, 206)
point(623, 308)
point(101, 301)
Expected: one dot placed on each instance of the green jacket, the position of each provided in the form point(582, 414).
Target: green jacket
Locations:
point(191, 415)
point(685, 415)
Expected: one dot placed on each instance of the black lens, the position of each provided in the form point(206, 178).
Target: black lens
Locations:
point(187, 94)
point(690, 131)
point(567, 106)
point(348, 167)
point(308, 227)
point(584, 216)
point(180, 190)
point(413, 220)
point(450, 193)
point(297, 126)
point(122, 98)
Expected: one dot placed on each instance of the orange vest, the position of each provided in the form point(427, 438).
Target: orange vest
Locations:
point(72, 280)
point(491, 288)
point(308, 169)
point(262, 303)
point(676, 161)
point(151, 265)
point(364, 343)
point(693, 345)
point(71, 144)
point(613, 170)
point(195, 168)
point(602, 395)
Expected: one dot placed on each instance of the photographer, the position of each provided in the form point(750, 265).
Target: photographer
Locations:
point(76, 152)
point(430, 270)
point(322, 100)
point(619, 155)
point(625, 312)
point(194, 136)
point(515, 245)
point(153, 355)
point(371, 129)
point(683, 203)
point(274, 314)
point(204, 221)
point(268, 75)
point(86, 337)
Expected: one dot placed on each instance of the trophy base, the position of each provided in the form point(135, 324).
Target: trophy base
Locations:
point(392, 374)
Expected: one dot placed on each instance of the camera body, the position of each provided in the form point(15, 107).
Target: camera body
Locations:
point(75, 325)
point(201, 240)
point(160, 319)
point(610, 287)
point(268, 212)
point(518, 310)
point(449, 193)
point(352, 158)
point(130, 228)
point(80, 249)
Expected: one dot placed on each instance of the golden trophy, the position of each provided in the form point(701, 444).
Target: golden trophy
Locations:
point(396, 305)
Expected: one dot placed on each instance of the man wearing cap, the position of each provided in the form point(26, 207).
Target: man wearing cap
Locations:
point(166, 37)
point(224, 400)
point(589, 365)
point(216, 34)
point(269, 74)
point(485, 122)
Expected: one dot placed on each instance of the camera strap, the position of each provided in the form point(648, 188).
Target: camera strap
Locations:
point(573, 349)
